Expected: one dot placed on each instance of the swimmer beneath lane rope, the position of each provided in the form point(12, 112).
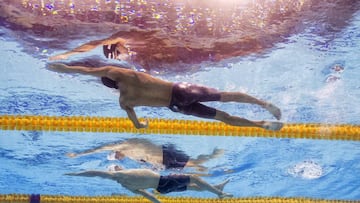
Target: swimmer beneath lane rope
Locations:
point(141, 89)
point(159, 156)
point(139, 180)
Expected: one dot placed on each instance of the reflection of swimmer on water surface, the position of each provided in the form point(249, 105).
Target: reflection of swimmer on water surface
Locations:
point(179, 34)
point(157, 50)
point(139, 180)
point(143, 150)
point(142, 89)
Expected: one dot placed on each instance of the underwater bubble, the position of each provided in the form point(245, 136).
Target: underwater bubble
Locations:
point(332, 78)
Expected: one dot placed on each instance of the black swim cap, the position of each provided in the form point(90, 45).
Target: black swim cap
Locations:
point(109, 82)
point(110, 50)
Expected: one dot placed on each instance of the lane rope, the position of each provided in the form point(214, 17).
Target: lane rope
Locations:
point(22, 198)
point(178, 127)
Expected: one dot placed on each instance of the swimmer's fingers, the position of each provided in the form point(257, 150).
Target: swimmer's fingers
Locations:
point(71, 174)
point(275, 126)
point(71, 155)
point(144, 124)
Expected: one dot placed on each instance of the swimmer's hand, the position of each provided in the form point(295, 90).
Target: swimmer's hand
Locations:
point(275, 126)
point(142, 124)
point(71, 155)
point(58, 57)
point(123, 57)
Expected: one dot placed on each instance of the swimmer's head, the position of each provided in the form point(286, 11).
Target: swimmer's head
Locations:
point(109, 82)
point(114, 168)
point(116, 51)
point(117, 155)
point(338, 68)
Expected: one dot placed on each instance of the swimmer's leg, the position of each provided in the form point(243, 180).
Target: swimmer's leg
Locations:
point(238, 121)
point(202, 158)
point(200, 110)
point(244, 98)
point(198, 184)
point(206, 94)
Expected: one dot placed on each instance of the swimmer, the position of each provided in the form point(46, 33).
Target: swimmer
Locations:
point(159, 156)
point(154, 49)
point(141, 89)
point(138, 180)
point(113, 47)
point(133, 47)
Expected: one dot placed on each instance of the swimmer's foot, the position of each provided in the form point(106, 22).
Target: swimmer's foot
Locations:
point(205, 157)
point(275, 111)
point(272, 125)
point(217, 153)
point(155, 192)
point(225, 195)
point(222, 185)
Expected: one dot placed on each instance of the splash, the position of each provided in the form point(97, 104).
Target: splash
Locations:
point(307, 170)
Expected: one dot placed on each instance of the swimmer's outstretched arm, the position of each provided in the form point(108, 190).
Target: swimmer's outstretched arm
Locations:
point(62, 68)
point(108, 147)
point(88, 46)
point(83, 48)
point(147, 195)
point(87, 152)
point(101, 174)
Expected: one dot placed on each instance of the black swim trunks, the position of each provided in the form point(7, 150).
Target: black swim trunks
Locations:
point(173, 158)
point(173, 183)
point(109, 82)
point(186, 99)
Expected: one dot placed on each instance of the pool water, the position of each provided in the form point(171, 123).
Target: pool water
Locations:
point(299, 75)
